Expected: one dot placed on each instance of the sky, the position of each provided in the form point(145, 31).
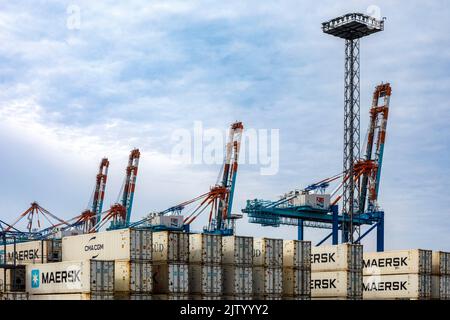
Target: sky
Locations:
point(80, 80)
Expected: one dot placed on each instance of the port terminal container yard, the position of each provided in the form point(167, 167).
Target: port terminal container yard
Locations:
point(122, 244)
point(296, 270)
point(336, 271)
point(237, 267)
point(88, 276)
point(39, 251)
point(440, 276)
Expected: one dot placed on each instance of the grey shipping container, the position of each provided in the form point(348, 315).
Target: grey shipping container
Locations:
point(170, 278)
point(205, 279)
point(237, 280)
point(237, 250)
point(205, 248)
point(12, 279)
point(170, 247)
point(133, 276)
point(296, 282)
point(297, 254)
point(440, 287)
point(267, 281)
point(441, 263)
point(267, 252)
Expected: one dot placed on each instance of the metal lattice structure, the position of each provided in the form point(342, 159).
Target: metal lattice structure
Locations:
point(351, 27)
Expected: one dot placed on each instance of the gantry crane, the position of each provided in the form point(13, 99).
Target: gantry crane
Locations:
point(312, 207)
point(218, 201)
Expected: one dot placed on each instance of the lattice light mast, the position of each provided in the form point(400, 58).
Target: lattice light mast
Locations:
point(351, 27)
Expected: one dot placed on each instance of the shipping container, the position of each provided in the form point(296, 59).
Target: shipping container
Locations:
point(205, 248)
point(122, 244)
point(296, 282)
point(297, 254)
point(70, 277)
point(133, 276)
point(440, 287)
point(397, 286)
point(167, 221)
point(441, 263)
point(307, 297)
point(29, 252)
point(267, 281)
point(170, 246)
point(336, 284)
point(315, 201)
point(14, 296)
point(170, 278)
point(205, 279)
point(170, 297)
point(237, 280)
point(342, 257)
point(205, 297)
point(73, 296)
point(268, 297)
point(267, 252)
point(237, 250)
point(398, 262)
point(12, 279)
point(238, 297)
point(132, 296)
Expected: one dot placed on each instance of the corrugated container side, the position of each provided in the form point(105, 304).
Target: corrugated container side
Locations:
point(141, 245)
point(343, 257)
point(238, 297)
point(31, 252)
point(102, 276)
point(12, 279)
point(441, 263)
point(205, 297)
point(132, 296)
point(205, 279)
point(267, 281)
point(440, 287)
point(268, 297)
point(205, 248)
point(400, 286)
point(398, 262)
point(133, 276)
point(170, 278)
point(237, 281)
point(170, 247)
point(336, 284)
point(307, 297)
point(268, 252)
point(296, 282)
point(237, 250)
point(297, 254)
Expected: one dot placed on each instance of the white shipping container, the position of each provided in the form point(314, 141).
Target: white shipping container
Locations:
point(133, 276)
point(336, 284)
point(398, 262)
point(39, 251)
point(169, 221)
point(268, 252)
point(440, 287)
point(441, 263)
point(170, 246)
point(237, 250)
point(170, 278)
point(122, 244)
point(205, 248)
point(70, 277)
point(73, 296)
point(397, 286)
point(205, 279)
point(297, 254)
point(12, 279)
point(237, 280)
point(342, 257)
point(267, 281)
point(315, 201)
point(296, 282)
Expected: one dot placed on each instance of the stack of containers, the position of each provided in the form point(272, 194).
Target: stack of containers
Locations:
point(205, 266)
point(440, 278)
point(170, 265)
point(237, 265)
point(267, 269)
point(336, 272)
point(402, 274)
point(71, 280)
point(296, 270)
point(131, 251)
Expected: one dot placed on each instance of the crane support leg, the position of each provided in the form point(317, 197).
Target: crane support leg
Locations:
point(380, 234)
point(300, 230)
point(335, 232)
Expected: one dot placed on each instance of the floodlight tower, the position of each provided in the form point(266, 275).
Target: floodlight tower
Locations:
point(351, 27)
